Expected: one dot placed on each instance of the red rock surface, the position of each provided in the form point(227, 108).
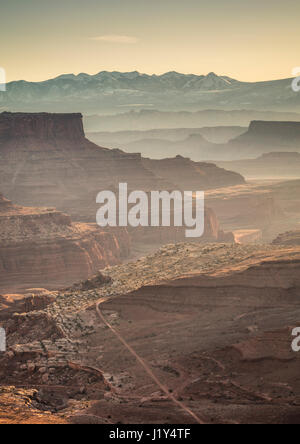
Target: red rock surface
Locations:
point(43, 248)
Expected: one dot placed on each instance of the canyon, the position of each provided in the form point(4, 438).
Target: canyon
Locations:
point(269, 205)
point(45, 160)
point(117, 325)
point(41, 247)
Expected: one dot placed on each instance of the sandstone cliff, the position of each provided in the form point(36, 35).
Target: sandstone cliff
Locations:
point(43, 248)
point(47, 128)
point(286, 133)
point(264, 137)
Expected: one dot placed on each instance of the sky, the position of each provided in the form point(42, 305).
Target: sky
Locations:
point(247, 40)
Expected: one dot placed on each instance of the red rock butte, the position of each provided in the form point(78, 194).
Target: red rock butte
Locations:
point(41, 126)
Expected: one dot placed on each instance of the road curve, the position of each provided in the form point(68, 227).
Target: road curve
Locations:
point(145, 365)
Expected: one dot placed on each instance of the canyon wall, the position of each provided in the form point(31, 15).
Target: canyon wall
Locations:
point(41, 127)
point(263, 137)
point(278, 132)
point(246, 207)
point(43, 248)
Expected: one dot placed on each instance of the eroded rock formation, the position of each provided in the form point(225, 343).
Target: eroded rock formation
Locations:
point(43, 248)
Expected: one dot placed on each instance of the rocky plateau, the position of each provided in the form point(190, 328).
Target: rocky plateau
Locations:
point(212, 323)
point(43, 248)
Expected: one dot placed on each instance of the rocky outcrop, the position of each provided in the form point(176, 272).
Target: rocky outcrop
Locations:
point(92, 283)
point(18, 303)
point(192, 176)
point(17, 406)
point(289, 238)
point(43, 248)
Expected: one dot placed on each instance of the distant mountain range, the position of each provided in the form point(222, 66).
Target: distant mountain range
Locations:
point(111, 92)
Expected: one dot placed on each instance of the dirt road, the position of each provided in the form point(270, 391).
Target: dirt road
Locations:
point(146, 366)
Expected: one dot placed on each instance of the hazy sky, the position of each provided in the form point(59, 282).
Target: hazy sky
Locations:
point(245, 39)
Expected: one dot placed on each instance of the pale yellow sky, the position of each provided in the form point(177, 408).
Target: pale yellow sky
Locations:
point(246, 40)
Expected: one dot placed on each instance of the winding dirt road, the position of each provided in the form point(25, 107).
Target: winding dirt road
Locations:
point(145, 365)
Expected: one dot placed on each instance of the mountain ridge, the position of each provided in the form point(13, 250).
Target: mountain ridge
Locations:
point(109, 91)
